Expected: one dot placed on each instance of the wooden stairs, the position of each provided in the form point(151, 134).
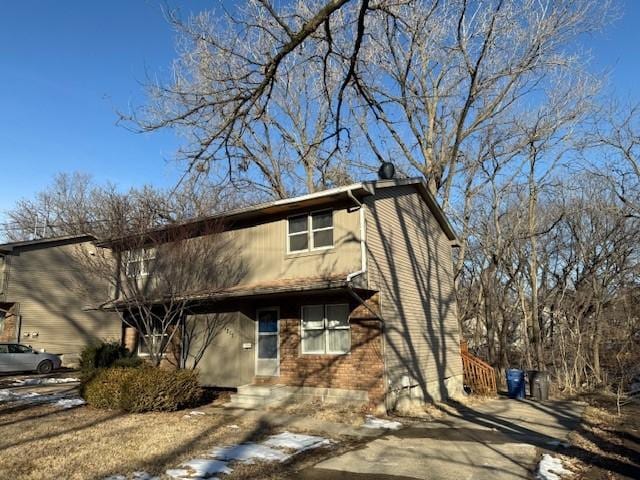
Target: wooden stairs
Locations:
point(478, 374)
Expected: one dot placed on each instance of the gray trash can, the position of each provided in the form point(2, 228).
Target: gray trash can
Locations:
point(539, 385)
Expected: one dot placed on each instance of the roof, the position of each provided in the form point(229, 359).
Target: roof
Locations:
point(272, 287)
point(44, 242)
point(314, 200)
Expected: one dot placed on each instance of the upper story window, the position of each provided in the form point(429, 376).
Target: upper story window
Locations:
point(310, 231)
point(140, 262)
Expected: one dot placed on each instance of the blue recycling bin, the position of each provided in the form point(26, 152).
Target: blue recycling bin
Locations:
point(515, 383)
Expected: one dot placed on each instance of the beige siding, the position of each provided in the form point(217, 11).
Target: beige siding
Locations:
point(52, 289)
point(410, 263)
point(250, 255)
point(217, 344)
point(263, 254)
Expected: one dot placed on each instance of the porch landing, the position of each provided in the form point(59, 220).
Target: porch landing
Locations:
point(253, 396)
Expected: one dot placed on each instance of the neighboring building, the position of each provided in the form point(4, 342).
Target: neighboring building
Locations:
point(348, 289)
point(43, 291)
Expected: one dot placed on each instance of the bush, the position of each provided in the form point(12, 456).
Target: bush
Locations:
point(129, 362)
point(144, 389)
point(102, 355)
point(104, 388)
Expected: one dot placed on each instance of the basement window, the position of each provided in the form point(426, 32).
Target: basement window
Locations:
point(326, 329)
point(310, 231)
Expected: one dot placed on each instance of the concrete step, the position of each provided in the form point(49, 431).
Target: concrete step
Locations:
point(262, 390)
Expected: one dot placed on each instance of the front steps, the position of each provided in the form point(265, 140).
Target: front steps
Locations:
point(260, 396)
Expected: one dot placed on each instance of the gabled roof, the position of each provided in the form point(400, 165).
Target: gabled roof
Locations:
point(44, 242)
point(313, 200)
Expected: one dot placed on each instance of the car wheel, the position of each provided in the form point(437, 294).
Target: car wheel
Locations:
point(45, 367)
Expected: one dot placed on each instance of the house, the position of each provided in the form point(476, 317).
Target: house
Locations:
point(343, 293)
point(41, 303)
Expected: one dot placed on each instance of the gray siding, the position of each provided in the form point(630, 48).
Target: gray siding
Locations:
point(52, 288)
point(409, 261)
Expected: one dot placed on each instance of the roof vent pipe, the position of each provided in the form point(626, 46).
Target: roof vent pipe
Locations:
point(386, 171)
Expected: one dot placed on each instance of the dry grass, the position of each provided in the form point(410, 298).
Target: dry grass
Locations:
point(346, 413)
point(607, 445)
point(41, 442)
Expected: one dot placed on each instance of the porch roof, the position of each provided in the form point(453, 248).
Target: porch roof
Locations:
point(334, 282)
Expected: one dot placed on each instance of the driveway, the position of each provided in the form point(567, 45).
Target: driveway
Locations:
point(495, 440)
point(25, 389)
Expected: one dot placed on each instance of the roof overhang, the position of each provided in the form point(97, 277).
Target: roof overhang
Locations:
point(10, 247)
point(264, 211)
point(294, 286)
point(254, 213)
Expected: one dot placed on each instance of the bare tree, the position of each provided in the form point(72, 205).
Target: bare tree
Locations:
point(74, 204)
point(156, 278)
point(425, 78)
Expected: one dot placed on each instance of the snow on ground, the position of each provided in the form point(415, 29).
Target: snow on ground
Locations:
point(33, 398)
point(550, 468)
point(70, 402)
point(136, 476)
point(296, 442)
point(374, 422)
point(193, 413)
point(43, 381)
point(248, 453)
point(276, 448)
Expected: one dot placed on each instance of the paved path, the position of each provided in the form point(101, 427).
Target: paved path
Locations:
point(495, 440)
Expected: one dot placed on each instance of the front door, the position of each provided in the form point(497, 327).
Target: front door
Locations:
point(268, 343)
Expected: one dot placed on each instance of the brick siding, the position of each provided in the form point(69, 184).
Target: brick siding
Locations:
point(361, 369)
point(10, 325)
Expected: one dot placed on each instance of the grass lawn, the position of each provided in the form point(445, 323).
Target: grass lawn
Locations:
point(44, 442)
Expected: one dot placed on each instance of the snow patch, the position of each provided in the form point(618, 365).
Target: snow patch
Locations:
point(249, 453)
point(43, 381)
point(295, 441)
point(70, 402)
point(374, 422)
point(550, 468)
point(115, 477)
point(271, 450)
point(205, 467)
point(33, 398)
point(142, 475)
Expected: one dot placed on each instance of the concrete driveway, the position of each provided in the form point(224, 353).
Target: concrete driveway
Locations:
point(495, 440)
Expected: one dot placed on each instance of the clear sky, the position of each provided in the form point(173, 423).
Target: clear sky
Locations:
point(66, 66)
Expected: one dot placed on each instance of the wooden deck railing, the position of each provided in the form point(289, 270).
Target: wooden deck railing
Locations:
point(478, 375)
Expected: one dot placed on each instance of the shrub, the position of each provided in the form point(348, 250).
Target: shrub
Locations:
point(102, 355)
point(156, 389)
point(104, 388)
point(142, 389)
point(129, 362)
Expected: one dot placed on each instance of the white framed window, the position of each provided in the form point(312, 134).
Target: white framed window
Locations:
point(310, 231)
point(325, 329)
point(139, 263)
point(157, 341)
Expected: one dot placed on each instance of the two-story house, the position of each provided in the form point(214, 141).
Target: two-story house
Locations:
point(43, 285)
point(344, 293)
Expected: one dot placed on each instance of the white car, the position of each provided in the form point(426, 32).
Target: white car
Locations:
point(15, 357)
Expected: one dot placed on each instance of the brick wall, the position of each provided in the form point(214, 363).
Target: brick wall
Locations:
point(361, 369)
point(9, 330)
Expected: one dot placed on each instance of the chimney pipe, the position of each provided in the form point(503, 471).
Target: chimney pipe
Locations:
point(386, 171)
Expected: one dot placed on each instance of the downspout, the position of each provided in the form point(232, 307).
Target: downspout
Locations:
point(363, 230)
point(359, 299)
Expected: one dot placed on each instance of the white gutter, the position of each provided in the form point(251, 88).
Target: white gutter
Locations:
point(363, 248)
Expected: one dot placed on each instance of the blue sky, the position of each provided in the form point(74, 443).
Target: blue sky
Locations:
point(67, 66)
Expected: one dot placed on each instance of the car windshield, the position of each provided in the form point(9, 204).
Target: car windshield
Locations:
point(19, 349)
point(4, 348)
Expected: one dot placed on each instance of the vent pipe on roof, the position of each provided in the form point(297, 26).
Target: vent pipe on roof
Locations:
point(386, 171)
